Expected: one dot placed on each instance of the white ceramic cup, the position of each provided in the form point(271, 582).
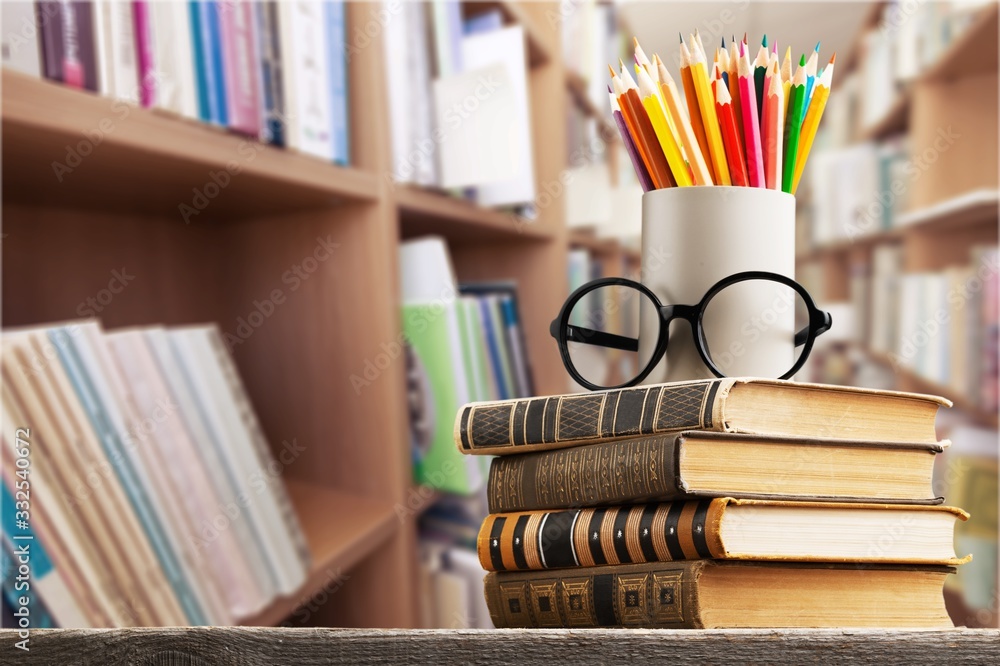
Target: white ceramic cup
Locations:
point(692, 237)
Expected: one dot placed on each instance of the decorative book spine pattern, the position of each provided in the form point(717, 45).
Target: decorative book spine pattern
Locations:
point(619, 472)
point(506, 427)
point(289, 518)
point(632, 534)
point(658, 595)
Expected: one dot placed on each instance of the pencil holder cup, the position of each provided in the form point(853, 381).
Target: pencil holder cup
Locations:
point(693, 237)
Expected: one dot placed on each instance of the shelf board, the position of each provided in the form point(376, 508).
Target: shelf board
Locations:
point(424, 211)
point(151, 162)
point(895, 120)
point(587, 240)
point(974, 52)
point(341, 529)
point(976, 208)
point(514, 14)
point(981, 416)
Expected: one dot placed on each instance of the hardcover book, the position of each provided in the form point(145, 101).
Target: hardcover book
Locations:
point(708, 594)
point(68, 54)
point(757, 406)
point(723, 529)
point(713, 464)
point(241, 62)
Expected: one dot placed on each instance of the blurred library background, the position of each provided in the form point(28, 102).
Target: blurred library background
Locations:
point(257, 254)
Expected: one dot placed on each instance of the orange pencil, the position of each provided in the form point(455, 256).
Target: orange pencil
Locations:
point(645, 135)
point(730, 137)
point(772, 141)
point(699, 168)
point(694, 111)
point(734, 87)
point(630, 123)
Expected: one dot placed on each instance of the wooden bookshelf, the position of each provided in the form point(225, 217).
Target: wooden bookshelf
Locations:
point(120, 207)
point(972, 53)
point(577, 87)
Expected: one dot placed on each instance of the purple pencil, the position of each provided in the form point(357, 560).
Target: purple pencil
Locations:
point(633, 153)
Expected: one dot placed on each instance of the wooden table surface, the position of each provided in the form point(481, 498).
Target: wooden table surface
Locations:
point(251, 646)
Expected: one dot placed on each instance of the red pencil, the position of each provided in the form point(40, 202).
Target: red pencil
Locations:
point(730, 136)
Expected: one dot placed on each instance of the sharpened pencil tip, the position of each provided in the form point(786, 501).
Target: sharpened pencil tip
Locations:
point(763, 42)
point(621, 64)
point(744, 38)
point(680, 37)
point(833, 57)
point(612, 70)
point(635, 41)
point(636, 58)
point(817, 47)
point(802, 60)
point(723, 41)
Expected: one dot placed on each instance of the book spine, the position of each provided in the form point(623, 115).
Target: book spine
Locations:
point(633, 534)
point(127, 474)
point(624, 471)
point(84, 50)
point(661, 595)
point(240, 64)
point(272, 86)
point(337, 42)
point(144, 49)
point(50, 19)
point(200, 60)
point(289, 519)
point(533, 424)
point(123, 68)
point(20, 39)
point(217, 75)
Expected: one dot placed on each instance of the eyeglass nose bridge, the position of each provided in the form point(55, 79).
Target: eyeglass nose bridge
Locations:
point(670, 312)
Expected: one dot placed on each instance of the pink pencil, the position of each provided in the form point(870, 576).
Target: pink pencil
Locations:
point(751, 124)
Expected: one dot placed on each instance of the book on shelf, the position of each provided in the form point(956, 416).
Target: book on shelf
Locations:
point(274, 71)
point(746, 405)
point(710, 594)
point(709, 464)
point(467, 344)
point(174, 514)
point(723, 528)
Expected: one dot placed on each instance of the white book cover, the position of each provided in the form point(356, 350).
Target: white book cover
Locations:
point(213, 390)
point(176, 90)
point(305, 67)
point(506, 46)
point(174, 373)
point(423, 151)
point(20, 38)
point(395, 43)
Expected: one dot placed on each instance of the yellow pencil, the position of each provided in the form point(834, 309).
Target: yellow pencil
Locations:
point(657, 116)
point(811, 123)
point(706, 102)
point(700, 172)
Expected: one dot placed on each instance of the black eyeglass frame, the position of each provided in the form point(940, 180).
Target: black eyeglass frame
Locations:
point(564, 333)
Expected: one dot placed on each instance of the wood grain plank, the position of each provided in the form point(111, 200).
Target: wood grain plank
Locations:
point(247, 646)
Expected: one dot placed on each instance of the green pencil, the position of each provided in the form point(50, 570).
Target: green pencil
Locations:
point(793, 127)
point(759, 70)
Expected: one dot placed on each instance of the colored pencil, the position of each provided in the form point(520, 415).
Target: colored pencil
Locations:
point(751, 122)
point(786, 76)
point(759, 70)
point(811, 66)
point(774, 127)
point(641, 172)
point(700, 172)
point(793, 127)
point(630, 123)
point(734, 87)
point(722, 59)
point(811, 122)
point(694, 112)
point(646, 139)
point(730, 137)
point(658, 118)
point(706, 103)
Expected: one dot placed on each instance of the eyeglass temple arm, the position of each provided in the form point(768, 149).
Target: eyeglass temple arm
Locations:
point(803, 335)
point(589, 336)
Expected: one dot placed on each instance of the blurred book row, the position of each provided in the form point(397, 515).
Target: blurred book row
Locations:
point(276, 71)
point(135, 466)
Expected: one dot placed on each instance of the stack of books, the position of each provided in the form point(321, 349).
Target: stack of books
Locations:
point(714, 504)
point(135, 467)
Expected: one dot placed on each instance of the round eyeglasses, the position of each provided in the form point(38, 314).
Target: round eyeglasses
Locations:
point(601, 324)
